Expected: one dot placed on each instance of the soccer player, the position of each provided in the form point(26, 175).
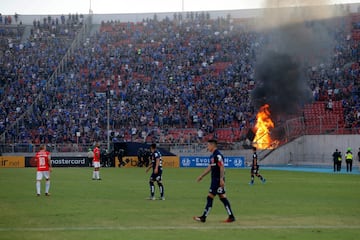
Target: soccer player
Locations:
point(43, 162)
point(255, 168)
point(156, 175)
point(96, 162)
point(217, 186)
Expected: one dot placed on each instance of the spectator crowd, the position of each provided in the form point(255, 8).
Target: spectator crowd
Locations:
point(155, 76)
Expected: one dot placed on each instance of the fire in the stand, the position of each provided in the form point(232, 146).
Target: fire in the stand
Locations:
point(263, 126)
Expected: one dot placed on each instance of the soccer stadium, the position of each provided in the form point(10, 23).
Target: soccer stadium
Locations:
point(282, 80)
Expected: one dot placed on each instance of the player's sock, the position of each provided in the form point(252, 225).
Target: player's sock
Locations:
point(252, 180)
point(227, 206)
point(209, 203)
point(47, 186)
point(161, 189)
point(38, 187)
point(261, 178)
point(97, 175)
point(152, 188)
point(94, 174)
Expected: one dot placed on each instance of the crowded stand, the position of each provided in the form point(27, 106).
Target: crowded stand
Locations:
point(180, 80)
point(26, 67)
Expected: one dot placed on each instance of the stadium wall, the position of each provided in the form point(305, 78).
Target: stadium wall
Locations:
point(313, 150)
point(310, 150)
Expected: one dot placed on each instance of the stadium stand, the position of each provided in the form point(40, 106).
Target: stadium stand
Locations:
point(163, 80)
point(321, 120)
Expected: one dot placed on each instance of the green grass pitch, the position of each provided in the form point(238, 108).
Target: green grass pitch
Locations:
point(291, 205)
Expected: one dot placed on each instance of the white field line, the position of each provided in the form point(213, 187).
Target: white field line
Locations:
point(150, 228)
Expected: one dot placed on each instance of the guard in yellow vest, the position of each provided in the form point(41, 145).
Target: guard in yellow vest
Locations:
point(349, 160)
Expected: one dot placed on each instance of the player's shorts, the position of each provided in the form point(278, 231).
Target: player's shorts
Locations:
point(96, 164)
point(156, 177)
point(216, 189)
point(42, 174)
point(255, 170)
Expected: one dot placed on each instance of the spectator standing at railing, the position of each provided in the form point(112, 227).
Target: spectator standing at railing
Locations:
point(329, 105)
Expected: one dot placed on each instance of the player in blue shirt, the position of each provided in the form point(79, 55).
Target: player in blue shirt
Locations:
point(156, 165)
point(217, 187)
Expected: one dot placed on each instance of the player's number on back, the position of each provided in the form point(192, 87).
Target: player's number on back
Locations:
point(42, 161)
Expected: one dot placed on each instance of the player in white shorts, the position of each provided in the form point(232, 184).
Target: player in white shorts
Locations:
point(43, 162)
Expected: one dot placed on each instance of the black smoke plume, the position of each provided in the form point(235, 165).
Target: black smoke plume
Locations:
point(280, 83)
point(298, 38)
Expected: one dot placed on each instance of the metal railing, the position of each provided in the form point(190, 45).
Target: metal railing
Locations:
point(291, 132)
point(54, 148)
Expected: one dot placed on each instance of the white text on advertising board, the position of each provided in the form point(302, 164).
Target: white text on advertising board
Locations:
point(202, 162)
point(195, 161)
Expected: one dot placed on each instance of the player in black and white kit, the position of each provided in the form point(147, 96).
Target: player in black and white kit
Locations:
point(156, 175)
point(217, 186)
point(255, 168)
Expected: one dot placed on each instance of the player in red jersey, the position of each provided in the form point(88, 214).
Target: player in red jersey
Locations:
point(43, 162)
point(96, 162)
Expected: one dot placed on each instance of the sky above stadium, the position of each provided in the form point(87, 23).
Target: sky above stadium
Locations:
point(30, 7)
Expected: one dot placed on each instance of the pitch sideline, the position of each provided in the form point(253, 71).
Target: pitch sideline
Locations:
point(188, 227)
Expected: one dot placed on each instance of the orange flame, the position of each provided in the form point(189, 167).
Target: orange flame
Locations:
point(263, 126)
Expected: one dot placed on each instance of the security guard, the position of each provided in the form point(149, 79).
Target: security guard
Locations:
point(336, 155)
point(338, 166)
point(349, 160)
